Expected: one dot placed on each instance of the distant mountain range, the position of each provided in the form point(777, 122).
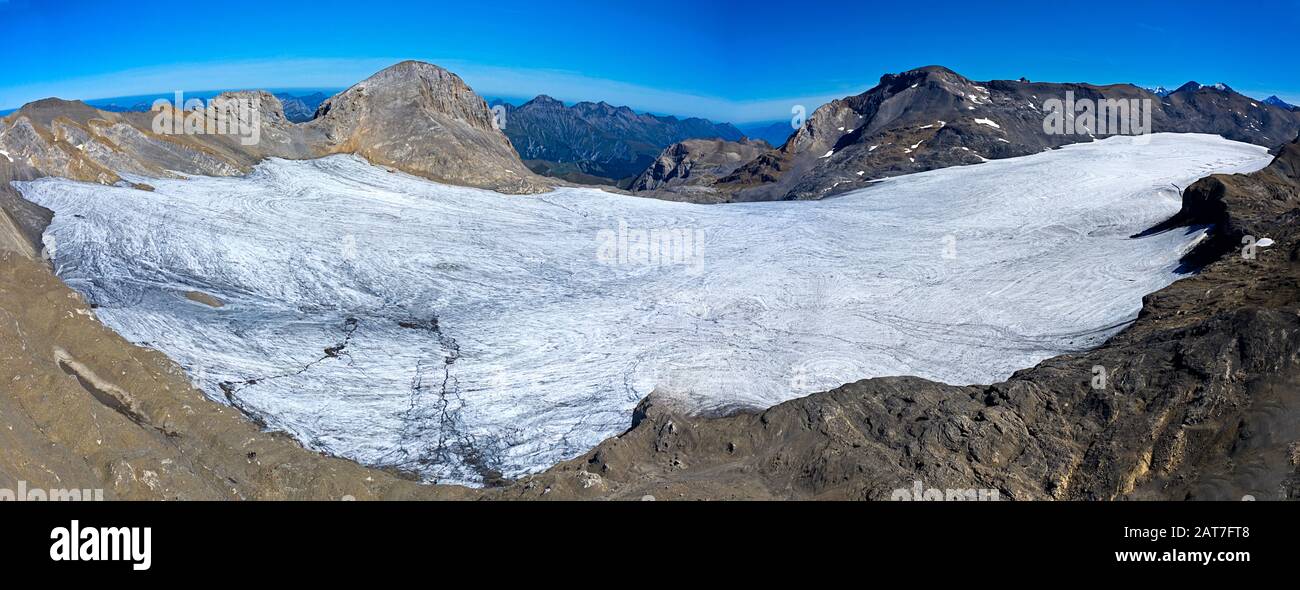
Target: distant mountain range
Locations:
point(299, 106)
point(597, 142)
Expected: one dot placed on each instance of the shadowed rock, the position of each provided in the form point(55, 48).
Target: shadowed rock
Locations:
point(692, 166)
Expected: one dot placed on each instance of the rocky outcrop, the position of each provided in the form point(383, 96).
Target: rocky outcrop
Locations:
point(692, 166)
point(422, 119)
point(932, 117)
point(598, 142)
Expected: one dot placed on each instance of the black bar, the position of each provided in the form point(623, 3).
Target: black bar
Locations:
point(365, 537)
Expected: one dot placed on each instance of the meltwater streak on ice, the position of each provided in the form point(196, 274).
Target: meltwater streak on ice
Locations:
point(458, 332)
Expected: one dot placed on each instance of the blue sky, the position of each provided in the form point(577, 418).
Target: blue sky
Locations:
point(729, 60)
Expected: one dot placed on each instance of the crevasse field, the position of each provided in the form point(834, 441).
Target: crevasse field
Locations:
point(462, 333)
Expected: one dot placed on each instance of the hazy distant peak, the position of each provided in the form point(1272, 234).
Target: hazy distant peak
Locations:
point(543, 100)
point(1277, 102)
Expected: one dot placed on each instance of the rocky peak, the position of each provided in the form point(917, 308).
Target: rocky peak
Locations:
point(921, 74)
point(1278, 102)
point(423, 119)
point(697, 163)
point(43, 112)
point(603, 108)
point(543, 101)
point(408, 84)
point(934, 89)
point(269, 107)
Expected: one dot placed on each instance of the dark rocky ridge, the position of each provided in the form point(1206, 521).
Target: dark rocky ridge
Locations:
point(1277, 102)
point(597, 141)
point(932, 117)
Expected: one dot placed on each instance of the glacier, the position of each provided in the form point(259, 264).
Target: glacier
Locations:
point(465, 335)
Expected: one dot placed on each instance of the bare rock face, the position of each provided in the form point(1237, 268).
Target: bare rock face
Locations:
point(14, 234)
point(692, 166)
point(422, 119)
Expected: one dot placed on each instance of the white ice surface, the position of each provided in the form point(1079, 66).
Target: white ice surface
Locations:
point(963, 275)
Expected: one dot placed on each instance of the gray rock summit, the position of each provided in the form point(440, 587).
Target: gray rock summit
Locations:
point(425, 120)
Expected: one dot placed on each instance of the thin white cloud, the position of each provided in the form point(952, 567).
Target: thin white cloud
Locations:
point(486, 80)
